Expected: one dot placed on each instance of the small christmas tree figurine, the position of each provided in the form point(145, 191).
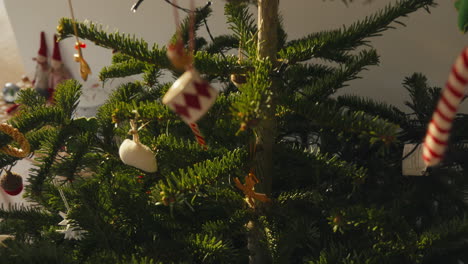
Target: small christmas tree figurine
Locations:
point(58, 71)
point(41, 76)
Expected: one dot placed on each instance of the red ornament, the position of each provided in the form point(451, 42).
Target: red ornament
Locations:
point(80, 45)
point(12, 183)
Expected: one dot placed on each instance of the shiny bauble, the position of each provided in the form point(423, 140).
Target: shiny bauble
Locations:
point(10, 92)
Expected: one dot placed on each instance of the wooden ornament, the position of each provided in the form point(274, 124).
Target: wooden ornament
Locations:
point(135, 154)
point(249, 190)
point(178, 56)
point(85, 70)
point(190, 96)
point(11, 183)
point(238, 79)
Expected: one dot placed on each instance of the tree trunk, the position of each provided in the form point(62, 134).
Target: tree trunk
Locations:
point(266, 131)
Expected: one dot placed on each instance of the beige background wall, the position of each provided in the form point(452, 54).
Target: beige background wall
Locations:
point(428, 44)
point(11, 64)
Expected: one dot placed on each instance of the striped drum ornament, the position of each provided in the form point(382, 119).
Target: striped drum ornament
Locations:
point(438, 132)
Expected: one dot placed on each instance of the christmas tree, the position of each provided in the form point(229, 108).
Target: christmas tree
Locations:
point(286, 172)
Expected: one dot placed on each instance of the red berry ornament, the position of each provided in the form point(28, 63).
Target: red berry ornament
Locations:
point(11, 183)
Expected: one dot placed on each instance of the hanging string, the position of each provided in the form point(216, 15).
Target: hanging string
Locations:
point(64, 199)
point(75, 27)
point(177, 22)
point(84, 67)
point(192, 27)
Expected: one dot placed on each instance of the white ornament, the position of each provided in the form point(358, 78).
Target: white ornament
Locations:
point(135, 154)
point(190, 96)
point(412, 164)
point(70, 231)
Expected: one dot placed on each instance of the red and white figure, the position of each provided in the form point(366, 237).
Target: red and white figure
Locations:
point(41, 76)
point(190, 96)
point(58, 72)
point(438, 132)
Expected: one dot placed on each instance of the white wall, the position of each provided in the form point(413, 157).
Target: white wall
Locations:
point(428, 44)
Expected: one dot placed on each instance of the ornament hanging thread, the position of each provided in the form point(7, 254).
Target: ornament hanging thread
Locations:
point(71, 230)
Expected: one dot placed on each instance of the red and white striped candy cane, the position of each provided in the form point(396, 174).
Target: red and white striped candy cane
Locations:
point(438, 132)
point(198, 135)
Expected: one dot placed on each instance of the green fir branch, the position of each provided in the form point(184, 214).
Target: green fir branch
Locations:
point(341, 40)
point(122, 69)
point(50, 148)
point(66, 97)
point(151, 75)
point(201, 14)
point(185, 185)
point(205, 248)
point(423, 97)
point(222, 43)
point(300, 75)
point(27, 213)
point(242, 23)
point(30, 98)
point(119, 57)
point(328, 84)
point(329, 115)
point(383, 110)
point(139, 49)
point(328, 170)
point(445, 238)
point(255, 95)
